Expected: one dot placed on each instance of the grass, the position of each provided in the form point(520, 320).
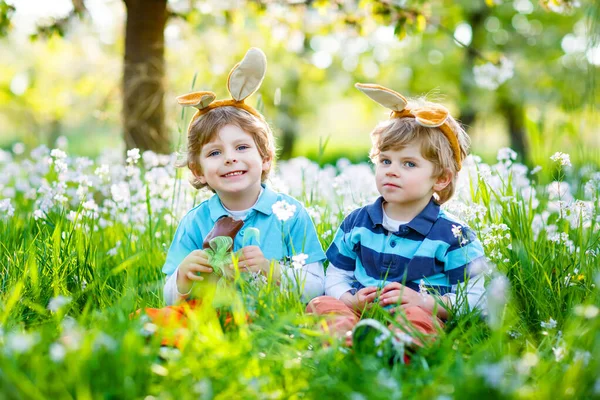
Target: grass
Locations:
point(71, 280)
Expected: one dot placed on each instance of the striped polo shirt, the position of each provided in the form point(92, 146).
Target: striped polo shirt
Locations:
point(424, 249)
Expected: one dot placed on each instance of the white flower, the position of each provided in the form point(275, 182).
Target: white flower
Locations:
point(57, 352)
point(551, 324)
point(562, 159)
point(90, 205)
point(62, 142)
point(133, 156)
point(6, 208)
point(490, 76)
point(589, 311)
point(17, 342)
point(18, 148)
point(58, 154)
point(299, 260)
point(559, 353)
point(58, 302)
point(506, 155)
point(283, 210)
point(536, 170)
point(457, 231)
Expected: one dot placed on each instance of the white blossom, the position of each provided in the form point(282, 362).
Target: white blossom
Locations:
point(283, 210)
point(491, 76)
point(58, 302)
point(299, 260)
point(57, 352)
point(562, 159)
point(550, 324)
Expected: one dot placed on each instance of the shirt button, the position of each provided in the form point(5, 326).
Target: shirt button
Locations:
point(393, 243)
point(241, 233)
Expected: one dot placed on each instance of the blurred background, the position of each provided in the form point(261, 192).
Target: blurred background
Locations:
point(91, 75)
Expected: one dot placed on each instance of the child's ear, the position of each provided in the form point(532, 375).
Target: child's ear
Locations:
point(443, 180)
point(266, 163)
point(195, 168)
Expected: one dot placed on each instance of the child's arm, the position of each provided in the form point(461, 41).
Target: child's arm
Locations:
point(473, 293)
point(310, 278)
point(337, 281)
point(464, 265)
point(171, 294)
point(179, 284)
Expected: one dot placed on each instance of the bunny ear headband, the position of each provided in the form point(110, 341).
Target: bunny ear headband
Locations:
point(244, 79)
point(430, 116)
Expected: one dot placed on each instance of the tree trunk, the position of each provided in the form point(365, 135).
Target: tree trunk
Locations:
point(143, 76)
point(467, 82)
point(515, 114)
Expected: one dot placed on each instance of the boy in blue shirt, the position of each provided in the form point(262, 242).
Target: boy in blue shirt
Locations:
point(403, 250)
point(231, 150)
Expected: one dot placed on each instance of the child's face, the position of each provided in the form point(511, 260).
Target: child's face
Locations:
point(404, 177)
point(231, 163)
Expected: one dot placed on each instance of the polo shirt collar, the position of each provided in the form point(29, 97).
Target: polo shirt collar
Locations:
point(422, 223)
point(375, 211)
point(264, 204)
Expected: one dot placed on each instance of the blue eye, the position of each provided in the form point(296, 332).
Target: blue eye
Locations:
point(243, 147)
point(385, 161)
point(214, 153)
point(410, 164)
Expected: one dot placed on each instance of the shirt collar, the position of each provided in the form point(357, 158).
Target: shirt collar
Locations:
point(422, 223)
point(375, 211)
point(264, 203)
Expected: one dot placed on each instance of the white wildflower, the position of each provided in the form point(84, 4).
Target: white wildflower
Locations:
point(283, 210)
point(457, 231)
point(299, 260)
point(18, 148)
point(562, 159)
point(506, 155)
point(583, 356)
point(58, 154)
point(133, 156)
point(491, 76)
point(62, 142)
point(58, 302)
point(57, 352)
point(536, 170)
point(39, 214)
point(6, 208)
point(20, 342)
point(550, 324)
point(559, 353)
point(589, 311)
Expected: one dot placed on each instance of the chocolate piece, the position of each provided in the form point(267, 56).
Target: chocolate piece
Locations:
point(225, 226)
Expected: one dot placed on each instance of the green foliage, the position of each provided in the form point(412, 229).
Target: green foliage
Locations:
point(69, 295)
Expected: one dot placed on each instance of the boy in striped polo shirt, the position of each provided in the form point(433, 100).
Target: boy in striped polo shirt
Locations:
point(403, 250)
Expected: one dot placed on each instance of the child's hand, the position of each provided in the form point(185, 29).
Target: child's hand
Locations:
point(396, 293)
point(187, 274)
point(252, 259)
point(361, 298)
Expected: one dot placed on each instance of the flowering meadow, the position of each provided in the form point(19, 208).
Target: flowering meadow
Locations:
point(82, 243)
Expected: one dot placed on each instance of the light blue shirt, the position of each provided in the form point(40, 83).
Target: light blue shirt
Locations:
point(278, 240)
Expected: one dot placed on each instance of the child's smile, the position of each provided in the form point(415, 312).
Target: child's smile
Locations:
point(232, 166)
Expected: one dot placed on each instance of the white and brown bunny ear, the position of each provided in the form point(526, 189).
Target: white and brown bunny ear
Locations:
point(384, 96)
point(246, 77)
point(199, 100)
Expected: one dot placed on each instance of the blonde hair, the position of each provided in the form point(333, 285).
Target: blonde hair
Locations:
point(204, 129)
point(398, 133)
